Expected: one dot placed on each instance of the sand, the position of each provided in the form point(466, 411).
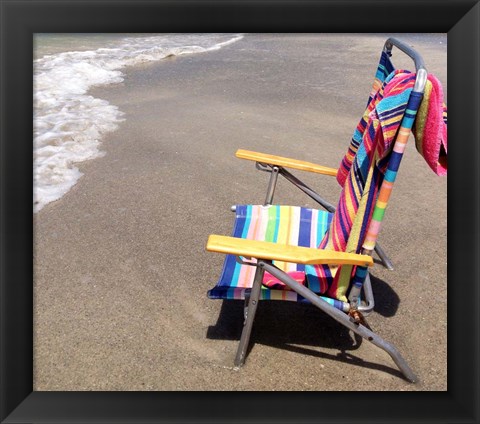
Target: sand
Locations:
point(120, 267)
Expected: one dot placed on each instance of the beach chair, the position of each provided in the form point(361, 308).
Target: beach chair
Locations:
point(322, 257)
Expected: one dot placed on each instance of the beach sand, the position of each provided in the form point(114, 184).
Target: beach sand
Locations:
point(120, 267)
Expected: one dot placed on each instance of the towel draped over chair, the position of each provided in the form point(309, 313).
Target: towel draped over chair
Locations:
point(361, 174)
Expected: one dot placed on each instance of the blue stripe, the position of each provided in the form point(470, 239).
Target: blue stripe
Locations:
point(395, 160)
point(408, 122)
point(304, 231)
point(415, 100)
point(305, 226)
point(371, 132)
point(320, 227)
point(277, 223)
point(312, 278)
point(248, 219)
point(390, 175)
point(389, 113)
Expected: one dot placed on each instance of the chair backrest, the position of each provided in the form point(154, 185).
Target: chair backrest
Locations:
point(367, 172)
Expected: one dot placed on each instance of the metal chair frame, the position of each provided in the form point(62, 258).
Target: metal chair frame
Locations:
point(358, 327)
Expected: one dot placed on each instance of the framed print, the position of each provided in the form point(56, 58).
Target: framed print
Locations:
point(139, 107)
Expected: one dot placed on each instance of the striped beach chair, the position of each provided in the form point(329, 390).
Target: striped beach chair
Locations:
point(322, 257)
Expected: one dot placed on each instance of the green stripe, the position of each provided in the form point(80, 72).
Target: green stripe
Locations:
point(378, 214)
point(270, 232)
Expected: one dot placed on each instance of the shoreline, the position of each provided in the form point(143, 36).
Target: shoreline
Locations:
point(69, 123)
point(120, 269)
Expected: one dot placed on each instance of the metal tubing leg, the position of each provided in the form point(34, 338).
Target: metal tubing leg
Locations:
point(250, 316)
point(344, 319)
point(369, 299)
point(307, 190)
point(387, 263)
point(271, 186)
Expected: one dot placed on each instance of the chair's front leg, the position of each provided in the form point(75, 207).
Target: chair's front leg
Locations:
point(250, 316)
point(245, 307)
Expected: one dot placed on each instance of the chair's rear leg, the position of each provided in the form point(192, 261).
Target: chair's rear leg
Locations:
point(342, 318)
point(249, 311)
point(387, 263)
point(387, 347)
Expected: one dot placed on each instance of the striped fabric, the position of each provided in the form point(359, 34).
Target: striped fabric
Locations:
point(387, 119)
point(269, 294)
point(384, 69)
point(280, 224)
point(391, 173)
point(378, 129)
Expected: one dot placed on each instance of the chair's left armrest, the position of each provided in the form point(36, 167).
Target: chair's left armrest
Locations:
point(282, 252)
point(285, 162)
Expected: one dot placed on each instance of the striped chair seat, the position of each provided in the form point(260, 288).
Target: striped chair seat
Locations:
point(291, 225)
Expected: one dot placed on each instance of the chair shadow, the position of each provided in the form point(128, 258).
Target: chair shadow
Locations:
point(386, 300)
point(294, 327)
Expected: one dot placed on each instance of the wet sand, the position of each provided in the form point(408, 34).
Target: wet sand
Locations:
point(120, 267)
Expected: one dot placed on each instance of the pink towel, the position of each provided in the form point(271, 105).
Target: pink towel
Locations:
point(430, 128)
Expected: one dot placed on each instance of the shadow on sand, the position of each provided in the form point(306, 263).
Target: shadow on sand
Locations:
point(295, 327)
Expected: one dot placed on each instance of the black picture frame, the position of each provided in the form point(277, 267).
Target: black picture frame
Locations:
point(21, 19)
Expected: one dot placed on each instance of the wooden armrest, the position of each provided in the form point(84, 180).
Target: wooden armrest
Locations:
point(285, 162)
point(282, 252)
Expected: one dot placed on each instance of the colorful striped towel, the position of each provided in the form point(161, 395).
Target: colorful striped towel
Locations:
point(377, 129)
point(361, 173)
point(430, 128)
point(385, 68)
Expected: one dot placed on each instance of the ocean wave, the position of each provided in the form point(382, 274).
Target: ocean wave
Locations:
point(69, 124)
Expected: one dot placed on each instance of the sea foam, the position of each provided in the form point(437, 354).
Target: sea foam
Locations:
point(69, 123)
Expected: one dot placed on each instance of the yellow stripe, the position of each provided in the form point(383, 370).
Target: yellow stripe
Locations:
point(343, 282)
point(380, 204)
point(403, 138)
point(283, 232)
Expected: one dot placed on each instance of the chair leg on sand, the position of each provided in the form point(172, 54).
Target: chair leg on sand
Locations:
point(387, 263)
point(250, 311)
point(336, 314)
